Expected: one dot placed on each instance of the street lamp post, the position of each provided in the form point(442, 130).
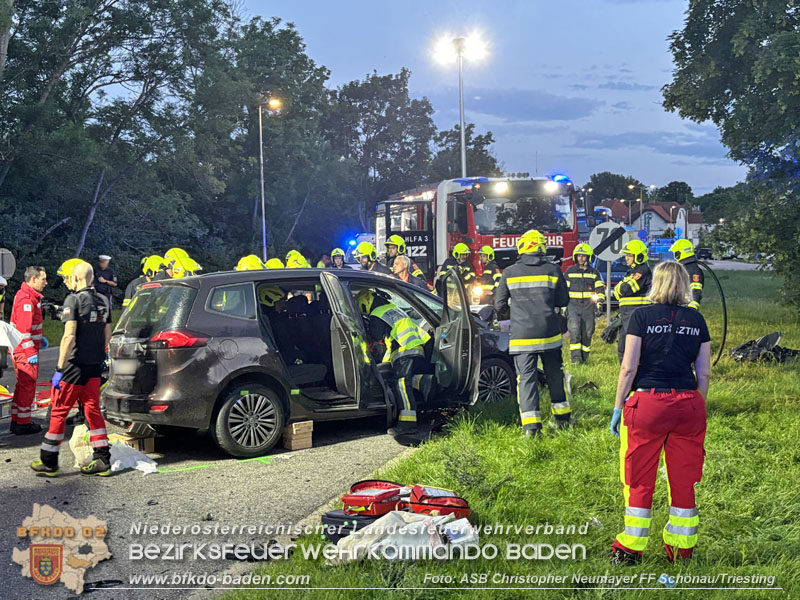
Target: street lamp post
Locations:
point(447, 50)
point(273, 104)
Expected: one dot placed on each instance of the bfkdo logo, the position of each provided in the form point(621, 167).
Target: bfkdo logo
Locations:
point(46, 562)
point(62, 548)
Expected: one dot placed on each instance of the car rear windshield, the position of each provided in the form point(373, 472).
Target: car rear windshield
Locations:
point(156, 309)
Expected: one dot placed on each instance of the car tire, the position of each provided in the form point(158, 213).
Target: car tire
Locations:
point(495, 381)
point(249, 420)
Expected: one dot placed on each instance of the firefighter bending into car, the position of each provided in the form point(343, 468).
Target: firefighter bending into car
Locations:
point(584, 283)
point(367, 256)
point(535, 287)
point(683, 251)
point(87, 331)
point(404, 349)
point(26, 317)
point(396, 246)
point(632, 291)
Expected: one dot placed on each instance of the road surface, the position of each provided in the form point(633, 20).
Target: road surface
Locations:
point(197, 485)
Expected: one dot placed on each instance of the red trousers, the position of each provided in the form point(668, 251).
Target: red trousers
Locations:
point(63, 400)
point(672, 425)
point(25, 390)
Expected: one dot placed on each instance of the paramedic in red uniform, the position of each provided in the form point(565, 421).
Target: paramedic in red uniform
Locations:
point(664, 414)
point(87, 330)
point(26, 317)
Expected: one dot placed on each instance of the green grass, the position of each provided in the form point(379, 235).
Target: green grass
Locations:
point(53, 330)
point(749, 497)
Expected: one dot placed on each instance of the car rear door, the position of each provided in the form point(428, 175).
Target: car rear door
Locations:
point(351, 358)
point(155, 311)
point(457, 344)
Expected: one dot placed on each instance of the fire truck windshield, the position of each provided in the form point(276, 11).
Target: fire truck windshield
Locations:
point(499, 216)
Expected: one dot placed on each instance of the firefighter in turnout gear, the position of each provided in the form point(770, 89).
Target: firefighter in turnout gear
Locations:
point(367, 256)
point(337, 259)
point(633, 289)
point(683, 251)
point(535, 287)
point(396, 246)
point(584, 283)
point(458, 260)
point(87, 331)
point(404, 343)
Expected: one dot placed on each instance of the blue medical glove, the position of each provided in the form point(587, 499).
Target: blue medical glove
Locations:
point(615, 421)
point(34, 360)
point(56, 380)
point(45, 343)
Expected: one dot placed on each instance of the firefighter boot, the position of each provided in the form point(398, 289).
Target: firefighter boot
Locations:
point(43, 470)
point(27, 428)
point(99, 467)
point(625, 558)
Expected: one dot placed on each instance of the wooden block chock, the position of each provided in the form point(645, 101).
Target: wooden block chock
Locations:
point(297, 436)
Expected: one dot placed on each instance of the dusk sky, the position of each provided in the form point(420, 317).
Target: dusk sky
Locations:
point(576, 81)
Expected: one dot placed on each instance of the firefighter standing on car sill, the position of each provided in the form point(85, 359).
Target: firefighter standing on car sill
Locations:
point(405, 351)
point(632, 291)
point(584, 283)
point(683, 251)
point(87, 331)
point(396, 246)
point(535, 287)
point(26, 317)
point(367, 256)
point(665, 415)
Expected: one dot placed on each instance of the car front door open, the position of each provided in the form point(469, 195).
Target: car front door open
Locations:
point(457, 346)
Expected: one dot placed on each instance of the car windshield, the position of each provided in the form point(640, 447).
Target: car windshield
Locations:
point(156, 309)
point(498, 216)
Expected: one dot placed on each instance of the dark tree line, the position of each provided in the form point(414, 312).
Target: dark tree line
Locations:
point(131, 126)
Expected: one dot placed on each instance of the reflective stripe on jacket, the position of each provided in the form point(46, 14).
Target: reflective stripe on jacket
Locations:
point(583, 283)
point(633, 289)
point(409, 339)
point(26, 317)
point(696, 281)
point(535, 287)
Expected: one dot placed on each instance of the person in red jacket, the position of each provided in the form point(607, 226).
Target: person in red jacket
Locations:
point(26, 317)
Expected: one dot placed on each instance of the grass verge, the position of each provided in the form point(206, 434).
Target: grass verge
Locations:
point(749, 498)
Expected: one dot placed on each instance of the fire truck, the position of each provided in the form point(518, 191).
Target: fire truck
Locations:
point(481, 211)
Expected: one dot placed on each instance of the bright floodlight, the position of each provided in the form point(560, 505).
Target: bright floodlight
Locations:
point(501, 187)
point(551, 187)
point(472, 48)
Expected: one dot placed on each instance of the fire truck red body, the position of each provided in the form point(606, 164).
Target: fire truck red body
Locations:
point(480, 211)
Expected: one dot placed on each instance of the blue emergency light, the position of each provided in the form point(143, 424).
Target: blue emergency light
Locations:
point(351, 243)
point(560, 178)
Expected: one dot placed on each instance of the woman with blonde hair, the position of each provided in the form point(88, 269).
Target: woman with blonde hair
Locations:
point(663, 383)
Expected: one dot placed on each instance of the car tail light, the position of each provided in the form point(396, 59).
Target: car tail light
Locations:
point(158, 407)
point(176, 338)
point(150, 285)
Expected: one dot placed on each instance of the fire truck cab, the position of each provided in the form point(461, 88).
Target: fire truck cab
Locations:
point(481, 211)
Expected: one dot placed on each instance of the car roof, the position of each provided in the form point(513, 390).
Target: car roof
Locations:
point(258, 275)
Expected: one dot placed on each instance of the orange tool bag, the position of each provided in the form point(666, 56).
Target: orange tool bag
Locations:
point(436, 501)
point(373, 497)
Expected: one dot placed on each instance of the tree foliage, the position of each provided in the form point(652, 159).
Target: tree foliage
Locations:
point(608, 186)
point(736, 65)
point(675, 191)
point(446, 162)
point(131, 126)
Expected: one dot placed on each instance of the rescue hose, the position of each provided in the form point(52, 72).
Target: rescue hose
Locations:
point(724, 312)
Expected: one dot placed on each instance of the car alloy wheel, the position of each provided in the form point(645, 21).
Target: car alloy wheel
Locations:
point(252, 420)
point(495, 382)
